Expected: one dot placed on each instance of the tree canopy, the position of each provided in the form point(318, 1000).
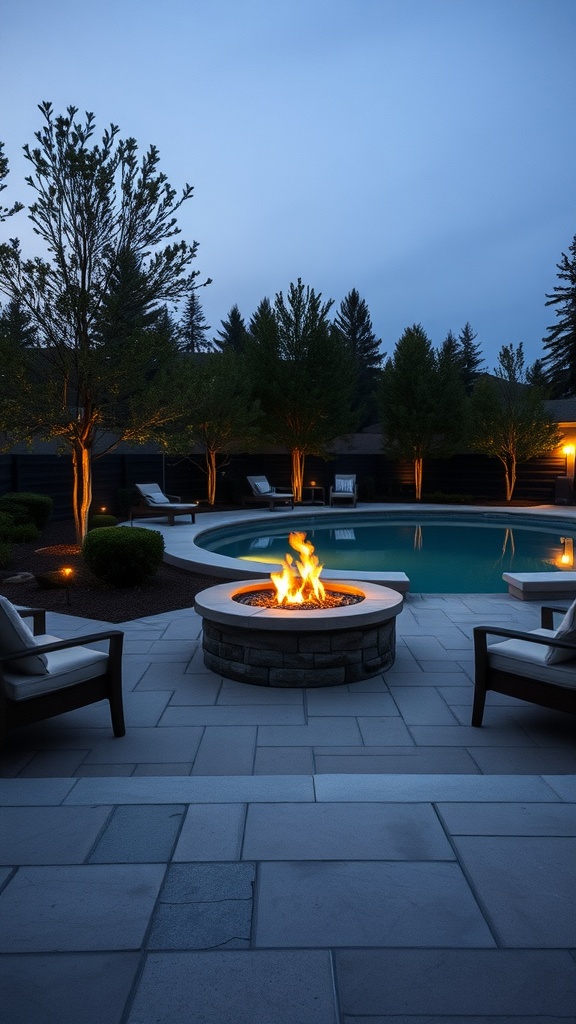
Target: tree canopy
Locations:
point(355, 328)
point(303, 375)
point(98, 372)
point(508, 420)
point(422, 401)
point(560, 343)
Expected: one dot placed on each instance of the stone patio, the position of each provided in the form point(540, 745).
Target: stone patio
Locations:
point(350, 855)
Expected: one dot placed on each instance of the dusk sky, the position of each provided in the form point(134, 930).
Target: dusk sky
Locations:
point(421, 151)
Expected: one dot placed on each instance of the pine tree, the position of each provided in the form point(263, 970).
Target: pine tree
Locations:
point(15, 324)
point(536, 375)
point(355, 328)
point(233, 334)
point(560, 345)
point(302, 373)
point(194, 326)
point(471, 357)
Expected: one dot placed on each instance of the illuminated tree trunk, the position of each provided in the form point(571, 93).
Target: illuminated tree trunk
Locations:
point(509, 464)
point(418, 477)
point(81, 488)
point(298, 459)
point(211, 471)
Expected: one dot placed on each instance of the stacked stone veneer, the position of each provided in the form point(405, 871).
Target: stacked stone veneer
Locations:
point(290, 657)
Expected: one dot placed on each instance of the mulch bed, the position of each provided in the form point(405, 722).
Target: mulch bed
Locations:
point(169, 589)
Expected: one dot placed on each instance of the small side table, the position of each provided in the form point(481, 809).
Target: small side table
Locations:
point(313, 495)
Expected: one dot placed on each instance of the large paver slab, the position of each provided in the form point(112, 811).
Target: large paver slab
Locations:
point(66, 989)
point(344, 832)
point(413, 762)
point(410, 984)
point(49, 835)
point(226, 751)
point(197, 789)
point(139, 835)
point(549, 819)
point(506, 788)
point(88, 907)
point(527, 885)
point(351, 903)
point(244, 987)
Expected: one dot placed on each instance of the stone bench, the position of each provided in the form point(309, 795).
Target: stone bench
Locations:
point(540, 586)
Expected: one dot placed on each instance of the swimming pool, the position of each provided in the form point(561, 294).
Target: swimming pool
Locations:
point(451, 553)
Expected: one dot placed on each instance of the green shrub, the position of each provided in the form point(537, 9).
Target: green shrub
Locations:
point(438, 497)
point(6, 525)
point(28, 506)
point(24, 533)
point(5, 554)
point(123, 556)
point(101, 521)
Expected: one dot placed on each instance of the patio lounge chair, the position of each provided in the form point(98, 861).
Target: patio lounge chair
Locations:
point(153, 502)
point(344, 489)
point(538, 666)
point(262, 491)
point(42, 676)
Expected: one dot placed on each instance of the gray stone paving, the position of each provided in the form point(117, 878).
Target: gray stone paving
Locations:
point(358, 855)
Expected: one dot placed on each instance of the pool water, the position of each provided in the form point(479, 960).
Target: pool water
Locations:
point(450, 554)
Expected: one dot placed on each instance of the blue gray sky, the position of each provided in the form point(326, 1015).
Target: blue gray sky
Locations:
point(421, 151)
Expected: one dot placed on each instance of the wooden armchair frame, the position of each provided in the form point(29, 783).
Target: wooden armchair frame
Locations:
point(106, 686)
point(513, 684)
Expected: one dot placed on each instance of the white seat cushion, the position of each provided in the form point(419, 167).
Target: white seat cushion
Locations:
point(64, 668)
point(566, 631)
point(157, 499)
point(16, 635)
point(522, 658)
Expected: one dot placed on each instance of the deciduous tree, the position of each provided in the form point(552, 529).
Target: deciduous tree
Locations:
point(107, 220)
point(222, 414)
point(508, 420)
point(422, 402)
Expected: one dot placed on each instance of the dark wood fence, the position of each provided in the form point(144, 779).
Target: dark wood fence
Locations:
point(378, 478)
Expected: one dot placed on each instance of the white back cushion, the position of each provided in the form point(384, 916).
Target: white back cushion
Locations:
point(15, 635)
point(344, 484)
point(566, 631)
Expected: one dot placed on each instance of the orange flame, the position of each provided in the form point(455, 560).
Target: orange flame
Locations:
point(299, 582)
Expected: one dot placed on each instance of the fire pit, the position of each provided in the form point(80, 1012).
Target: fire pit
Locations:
point(299, 632)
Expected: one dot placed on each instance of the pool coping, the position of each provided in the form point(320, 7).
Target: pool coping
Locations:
point(182, 551)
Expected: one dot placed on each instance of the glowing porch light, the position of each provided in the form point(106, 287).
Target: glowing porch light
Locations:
point(569, 450)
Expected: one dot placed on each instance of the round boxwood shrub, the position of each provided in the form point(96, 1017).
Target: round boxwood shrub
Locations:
point(100, 521)
point(123, 556)
point(5, 554)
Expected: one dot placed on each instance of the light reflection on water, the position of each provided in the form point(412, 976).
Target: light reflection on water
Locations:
point(442, 555)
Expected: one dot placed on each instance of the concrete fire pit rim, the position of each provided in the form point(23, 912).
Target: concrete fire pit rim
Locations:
point(217, 605)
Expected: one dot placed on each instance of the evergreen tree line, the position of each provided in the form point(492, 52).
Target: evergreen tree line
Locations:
point(92, 352)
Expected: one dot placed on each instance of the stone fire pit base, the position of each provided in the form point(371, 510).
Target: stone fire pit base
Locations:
point(280, 648)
